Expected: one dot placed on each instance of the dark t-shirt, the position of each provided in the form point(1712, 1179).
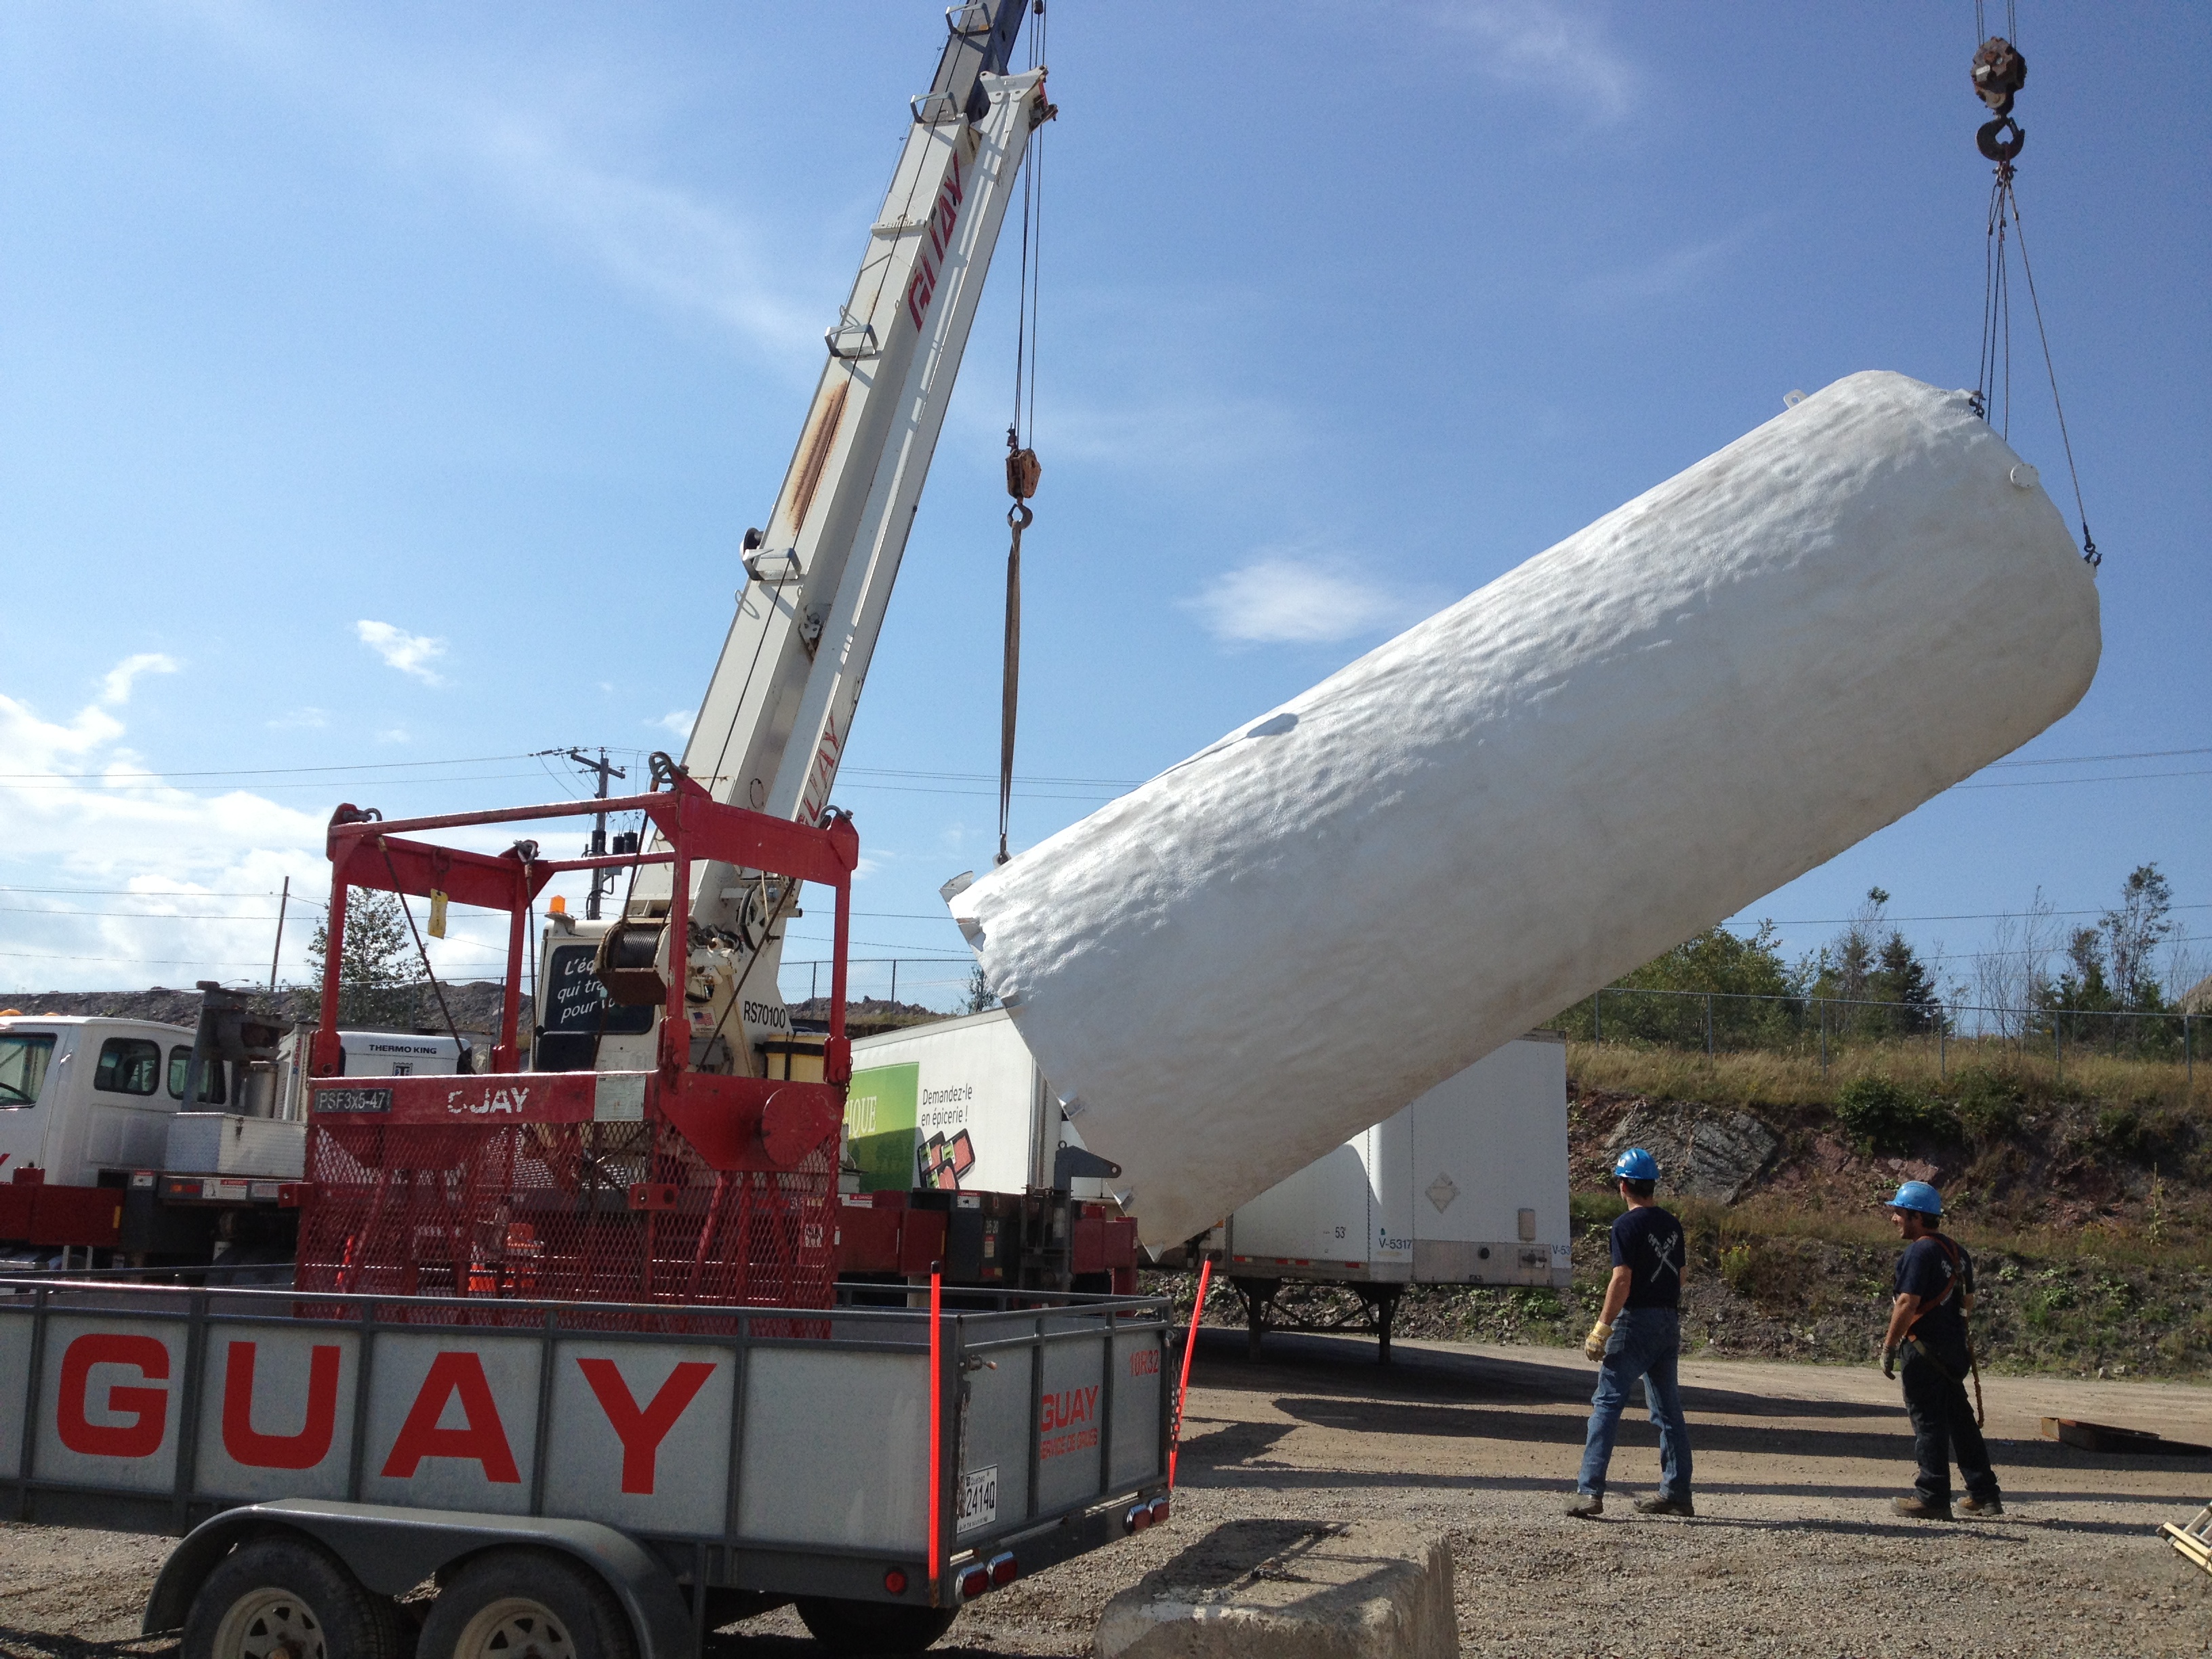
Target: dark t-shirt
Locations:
point(1648, 1242)
point(1927, 1270)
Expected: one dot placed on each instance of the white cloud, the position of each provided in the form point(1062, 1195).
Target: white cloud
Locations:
point(166, 885)
point(411, 653)
point(299, 720)
point(546, 141)
point(677, 722)
point(1675, 272)
point(1278, 598)
point(82, 811)
point(115, 687)
point(662, 241)
point(393, 734)
point(1555, 48)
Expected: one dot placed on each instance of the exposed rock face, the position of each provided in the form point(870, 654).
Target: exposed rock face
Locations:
point(1704, 1151)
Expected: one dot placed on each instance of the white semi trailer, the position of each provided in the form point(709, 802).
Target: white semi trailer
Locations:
point(1466, 1186)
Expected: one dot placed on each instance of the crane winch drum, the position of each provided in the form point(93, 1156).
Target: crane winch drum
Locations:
point(1604, 752)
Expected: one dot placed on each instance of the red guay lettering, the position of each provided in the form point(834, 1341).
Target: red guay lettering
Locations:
point(148, 1409)
point(1066, 1408)
point(642, 1431)
point(302, 1450)
point(484, 1439)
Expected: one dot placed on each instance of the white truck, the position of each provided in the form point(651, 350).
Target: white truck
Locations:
point(102, 1160)
point(1466, 1185)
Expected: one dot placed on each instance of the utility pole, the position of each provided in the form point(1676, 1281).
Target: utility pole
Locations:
point(597, 848)
point(284, 903)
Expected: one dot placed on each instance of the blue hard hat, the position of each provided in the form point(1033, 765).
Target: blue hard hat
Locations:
point(1635, 1164)
point(1917, 1195)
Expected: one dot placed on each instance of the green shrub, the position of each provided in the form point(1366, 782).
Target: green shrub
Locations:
point(2142, 1136)
point(1989, 1107)
point(1884, 1116)
point(1737, 1265)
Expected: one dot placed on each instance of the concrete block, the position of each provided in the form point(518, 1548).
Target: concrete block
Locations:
point(1288, 1589)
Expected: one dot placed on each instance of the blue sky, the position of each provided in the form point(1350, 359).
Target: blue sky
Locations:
point(391, 385)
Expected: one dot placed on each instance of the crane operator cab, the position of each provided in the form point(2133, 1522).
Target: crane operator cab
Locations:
point(602, 986)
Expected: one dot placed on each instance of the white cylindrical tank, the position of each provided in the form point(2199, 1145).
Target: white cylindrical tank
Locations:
point(1629, 737)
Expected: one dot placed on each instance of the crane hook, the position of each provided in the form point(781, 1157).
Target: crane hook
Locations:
point(2000, 150)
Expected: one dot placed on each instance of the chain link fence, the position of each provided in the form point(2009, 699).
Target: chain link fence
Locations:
point(1720, 1021)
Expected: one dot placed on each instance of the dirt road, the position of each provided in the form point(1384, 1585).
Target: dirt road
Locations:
point(1793, 1551)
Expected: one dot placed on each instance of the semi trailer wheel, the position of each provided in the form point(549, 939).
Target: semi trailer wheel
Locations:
point(857, 1628)
point(285, 1598)
point(526, 1604)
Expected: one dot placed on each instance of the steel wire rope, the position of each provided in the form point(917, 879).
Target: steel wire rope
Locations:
point(421, 949)
point(1021, 449)
point(2004, 224)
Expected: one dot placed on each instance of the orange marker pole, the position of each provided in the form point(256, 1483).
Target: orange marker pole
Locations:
point(937, 1426)
point(1189, 1347)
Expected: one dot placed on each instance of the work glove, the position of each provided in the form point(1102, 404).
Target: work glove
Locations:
point(1889, 1362)
point(1593, 1344)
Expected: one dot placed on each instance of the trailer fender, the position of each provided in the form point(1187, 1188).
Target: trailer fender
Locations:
point(392, 1550)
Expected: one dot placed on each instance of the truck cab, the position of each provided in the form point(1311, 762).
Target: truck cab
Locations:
point(86, 1101)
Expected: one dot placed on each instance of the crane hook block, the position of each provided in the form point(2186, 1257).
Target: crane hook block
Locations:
point(1998, 148)
point(1024, 470)
point(1999, 72)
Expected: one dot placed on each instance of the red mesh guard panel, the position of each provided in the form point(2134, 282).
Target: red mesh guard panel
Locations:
point(541, 1211)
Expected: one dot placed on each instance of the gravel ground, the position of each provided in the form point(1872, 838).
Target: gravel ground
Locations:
point(1793, 1550)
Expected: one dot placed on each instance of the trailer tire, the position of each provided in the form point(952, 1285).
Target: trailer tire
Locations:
point(857, 1628)
point(510, 1601)
point(276, 1595)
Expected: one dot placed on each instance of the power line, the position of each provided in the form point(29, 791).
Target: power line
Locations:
point(2085, 760)
point(67, 783)
point(285, 771)
point(2047, 783)
point(1983, 915)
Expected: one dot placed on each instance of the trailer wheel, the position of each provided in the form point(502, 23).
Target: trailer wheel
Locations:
point(868, 1627)
point(284, 1598)
point(526, 1604)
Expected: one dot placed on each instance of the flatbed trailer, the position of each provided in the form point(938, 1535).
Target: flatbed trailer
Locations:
point(684, 1466)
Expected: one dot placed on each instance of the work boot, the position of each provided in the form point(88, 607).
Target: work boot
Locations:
point(1663, 1505)
point(1992, 1505)
point(1587, 1506)
point(1921, 1509)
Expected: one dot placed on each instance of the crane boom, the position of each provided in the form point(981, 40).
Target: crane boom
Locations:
point(772, 727)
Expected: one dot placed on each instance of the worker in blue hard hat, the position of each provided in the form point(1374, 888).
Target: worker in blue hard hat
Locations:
point(1638, 1334)
point(1927, 1333)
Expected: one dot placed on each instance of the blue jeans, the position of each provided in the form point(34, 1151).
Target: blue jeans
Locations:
point(1646, 1342)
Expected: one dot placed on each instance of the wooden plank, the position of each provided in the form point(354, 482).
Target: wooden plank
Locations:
point(2108, 1437)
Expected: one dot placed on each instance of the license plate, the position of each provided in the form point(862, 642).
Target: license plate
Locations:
point(353, 1100)
point(979, 1499)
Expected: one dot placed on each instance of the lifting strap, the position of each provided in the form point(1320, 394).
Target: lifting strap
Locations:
point(1023, 471)
point(1999, 72)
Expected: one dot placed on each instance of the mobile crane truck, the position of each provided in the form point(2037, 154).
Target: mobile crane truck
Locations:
point(566, 1341)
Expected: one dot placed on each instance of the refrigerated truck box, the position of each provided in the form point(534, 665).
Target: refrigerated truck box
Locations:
point(957, 1103)
point(1466, 1186)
